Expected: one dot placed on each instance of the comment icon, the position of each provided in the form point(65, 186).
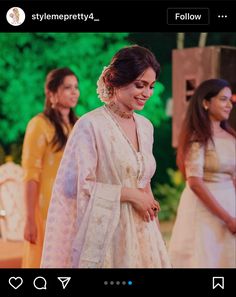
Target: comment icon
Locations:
point(40, 283)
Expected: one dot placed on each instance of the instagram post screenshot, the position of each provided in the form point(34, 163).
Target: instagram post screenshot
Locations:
point(117, 147)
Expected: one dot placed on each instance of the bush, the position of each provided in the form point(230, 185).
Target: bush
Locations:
point(169, 194)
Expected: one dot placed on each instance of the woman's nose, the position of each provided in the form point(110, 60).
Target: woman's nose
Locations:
point(147, 92)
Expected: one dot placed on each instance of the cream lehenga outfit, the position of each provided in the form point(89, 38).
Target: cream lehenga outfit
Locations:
point(199, 238)
point(87, 224)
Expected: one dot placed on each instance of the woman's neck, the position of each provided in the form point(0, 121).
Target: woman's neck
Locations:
point(64, 114)
point(217, 130)
point(120, 110)
point(216, 126)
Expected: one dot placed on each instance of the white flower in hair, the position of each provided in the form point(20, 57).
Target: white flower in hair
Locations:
point(102, 90)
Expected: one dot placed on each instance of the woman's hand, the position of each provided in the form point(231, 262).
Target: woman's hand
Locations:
point(30, 231)
point(231, 224)
point(142, 201)
point(31, 198)
point(157, 207)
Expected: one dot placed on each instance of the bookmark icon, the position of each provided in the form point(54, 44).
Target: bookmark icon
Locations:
point(218, 281)
point(64, 280)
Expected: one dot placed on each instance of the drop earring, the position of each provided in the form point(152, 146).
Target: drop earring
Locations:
point(54, 103)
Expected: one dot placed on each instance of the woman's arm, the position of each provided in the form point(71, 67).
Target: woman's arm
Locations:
point(199, 188)
point(31, 199)
point(34, 147)
point(142, 201)
point(6, 180)
point(157, 208)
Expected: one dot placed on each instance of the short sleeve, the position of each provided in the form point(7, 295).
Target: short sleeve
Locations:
point(194, 161)
point(34, 146)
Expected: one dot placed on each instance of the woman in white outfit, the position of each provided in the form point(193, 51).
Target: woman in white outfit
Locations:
point(204, 234)
point(103, 213)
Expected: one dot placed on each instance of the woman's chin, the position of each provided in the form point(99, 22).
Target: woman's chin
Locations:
point(139, 107)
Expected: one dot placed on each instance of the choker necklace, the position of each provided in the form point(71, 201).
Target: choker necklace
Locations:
point(123, 114)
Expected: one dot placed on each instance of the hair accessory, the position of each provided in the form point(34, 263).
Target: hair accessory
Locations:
point(103, 91)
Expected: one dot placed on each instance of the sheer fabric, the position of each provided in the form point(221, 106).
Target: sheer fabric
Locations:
point(87, 225)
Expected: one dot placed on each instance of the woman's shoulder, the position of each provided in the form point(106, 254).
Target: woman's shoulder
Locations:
point(92, 116)
point(39, 121)
point(90, 119)
point(143, 120)
point(39, 118)
point(224, 135)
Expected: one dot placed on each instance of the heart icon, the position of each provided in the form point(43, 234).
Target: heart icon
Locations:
point(15, 282)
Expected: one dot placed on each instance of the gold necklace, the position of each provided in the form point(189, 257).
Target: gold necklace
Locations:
point(115, 108)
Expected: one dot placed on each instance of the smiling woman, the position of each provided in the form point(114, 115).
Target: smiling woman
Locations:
point(204, 235)
point(102, 212)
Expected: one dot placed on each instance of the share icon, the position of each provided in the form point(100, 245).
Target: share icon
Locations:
point(64, 280)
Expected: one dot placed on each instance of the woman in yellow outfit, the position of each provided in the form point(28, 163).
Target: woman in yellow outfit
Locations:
point(44, 142)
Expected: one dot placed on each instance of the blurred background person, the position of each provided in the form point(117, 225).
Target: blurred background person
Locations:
point(204, 234)
point(43, 146)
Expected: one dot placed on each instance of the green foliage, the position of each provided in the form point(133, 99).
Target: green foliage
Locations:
point(163, 152)
point(169, 194)
point(26, 58)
